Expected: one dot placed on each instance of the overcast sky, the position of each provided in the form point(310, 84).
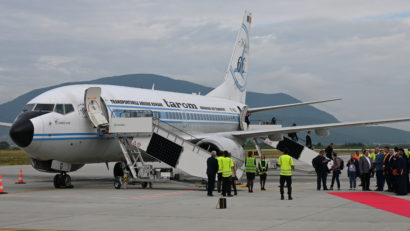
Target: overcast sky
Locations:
point(356, 50)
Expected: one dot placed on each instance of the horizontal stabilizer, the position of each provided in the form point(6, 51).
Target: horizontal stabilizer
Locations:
point(5, 124)
point(269, 108)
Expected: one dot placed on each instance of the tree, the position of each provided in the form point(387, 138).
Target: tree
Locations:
point(4, 145)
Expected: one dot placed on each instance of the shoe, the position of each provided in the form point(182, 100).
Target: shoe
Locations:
point(290, 198)
point(224, 195)
point(325, 189)
point(282, 197)
point(235, 194)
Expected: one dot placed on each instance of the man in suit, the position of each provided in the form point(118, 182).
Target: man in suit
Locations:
point(211, 171)
point(320, 165)
point(308, 140)
point(365, 166)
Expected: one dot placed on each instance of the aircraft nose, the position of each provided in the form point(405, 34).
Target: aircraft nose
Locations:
point(21, 132)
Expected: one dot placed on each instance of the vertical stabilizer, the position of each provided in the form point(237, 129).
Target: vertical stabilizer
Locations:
point(234, 86)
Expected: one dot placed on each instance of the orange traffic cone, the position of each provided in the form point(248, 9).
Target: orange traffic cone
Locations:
point(1, 186)
point(20, 179)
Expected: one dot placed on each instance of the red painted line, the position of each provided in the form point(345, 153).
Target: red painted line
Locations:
point(387, 203)
point(99, 197)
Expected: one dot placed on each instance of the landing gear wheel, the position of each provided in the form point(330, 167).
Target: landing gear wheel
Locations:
point(66, 181)
point(144, 184)
point(57, 180)
point(118, 169)
point(117, 182)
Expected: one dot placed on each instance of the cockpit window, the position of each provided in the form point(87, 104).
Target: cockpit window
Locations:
point(44, 107)
point(68, 108)
point(64, 108)
point(59, 108)
point(28, 107)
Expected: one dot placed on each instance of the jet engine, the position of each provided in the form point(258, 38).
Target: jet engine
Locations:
point(322, 132)
point(220, 143)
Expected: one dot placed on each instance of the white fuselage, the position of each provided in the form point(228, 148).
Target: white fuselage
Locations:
point(72, 138)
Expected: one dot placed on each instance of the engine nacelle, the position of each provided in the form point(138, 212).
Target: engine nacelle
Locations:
point(276, 137)
point(322, 132)
point(219, 143)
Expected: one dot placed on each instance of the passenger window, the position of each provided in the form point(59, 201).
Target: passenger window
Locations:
point(59, 109)
point(44, 107)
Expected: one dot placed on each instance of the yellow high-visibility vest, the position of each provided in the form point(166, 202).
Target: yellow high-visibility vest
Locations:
point(250, 165)
point(227, 165)
point(219, 158)
point(285, 162)
point(372, 156)
point(262, 167)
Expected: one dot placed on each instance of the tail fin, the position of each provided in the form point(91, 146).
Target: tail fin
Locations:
point(234, 86)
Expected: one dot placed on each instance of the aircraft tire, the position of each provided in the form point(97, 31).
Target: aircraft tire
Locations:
point(117, 183)
point(57, 181)
point(66, 180)
point(144, 184)
point(118, 170)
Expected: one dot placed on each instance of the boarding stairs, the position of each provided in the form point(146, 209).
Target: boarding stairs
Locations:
point(144, 140)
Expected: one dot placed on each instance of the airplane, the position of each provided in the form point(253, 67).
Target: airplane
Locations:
point(67, 127)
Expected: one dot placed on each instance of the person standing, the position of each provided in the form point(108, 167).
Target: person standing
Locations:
point(293, 135)
point(247, 121)
point(273, 120)
point(400, 172)
point(352, 171)
point(320, 165)
point(378, 165)
point(329, 151)
point(365, 165)
point(387, 168)
point(227, 165)
point(219, 158)
point(285, 162)
point(250, 166)
point(336, 168)
point(233, 178)
point(309, 140)
point(211, 171)
point(263, 171)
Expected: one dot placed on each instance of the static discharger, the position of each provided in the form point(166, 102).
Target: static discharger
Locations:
point(1, 186)
point(20, 179)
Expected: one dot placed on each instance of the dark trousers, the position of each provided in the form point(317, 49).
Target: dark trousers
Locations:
point(218, 186)
point(380, 180)
point(263, 180)
point(388, 177)
point(288, 180)
point(352, 179)
point(366, 181)
point(211, 183)
point(226, 186)
point(401, 184)
point(233, 182)
point(335, 176)
point(321, 179)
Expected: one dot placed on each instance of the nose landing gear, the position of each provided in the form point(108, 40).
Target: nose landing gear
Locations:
point(62, 180)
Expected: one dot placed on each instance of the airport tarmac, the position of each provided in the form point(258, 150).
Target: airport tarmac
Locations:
point(93, 204)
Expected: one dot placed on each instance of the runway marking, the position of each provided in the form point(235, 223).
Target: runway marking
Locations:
point(100, 197)
point(387, 203)
point(28, 230)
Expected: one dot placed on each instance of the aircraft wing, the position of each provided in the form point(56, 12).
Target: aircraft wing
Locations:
point(5, 124)
point(285, 130)
point(268, 108)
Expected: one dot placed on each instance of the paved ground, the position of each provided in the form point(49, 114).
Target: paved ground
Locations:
point(94, 205)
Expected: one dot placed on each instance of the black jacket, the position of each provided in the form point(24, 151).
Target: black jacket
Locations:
point(319, 164)
point(212, 166)
point(308, 142)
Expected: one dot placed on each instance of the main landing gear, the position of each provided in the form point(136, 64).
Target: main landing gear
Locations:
point(62, 180)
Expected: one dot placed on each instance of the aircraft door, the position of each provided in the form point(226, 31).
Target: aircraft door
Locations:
point(93, 107)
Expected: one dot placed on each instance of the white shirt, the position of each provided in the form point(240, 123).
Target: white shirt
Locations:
point(368, 160)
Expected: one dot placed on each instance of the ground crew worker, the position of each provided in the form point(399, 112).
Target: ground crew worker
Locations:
point(227, 165)
point(219, 158)
point(263, 171)
point(250, 165)
point(285, 162)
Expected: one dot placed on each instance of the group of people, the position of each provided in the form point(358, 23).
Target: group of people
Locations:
point(222, 166)
point(390, 166)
